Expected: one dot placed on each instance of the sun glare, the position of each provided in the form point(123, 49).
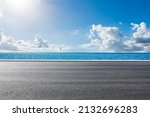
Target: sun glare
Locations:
point(23, 12)
point(18, 4)
point(20, 7)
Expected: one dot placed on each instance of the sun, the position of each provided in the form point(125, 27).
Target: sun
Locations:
point(20, 7)
point(18, 4)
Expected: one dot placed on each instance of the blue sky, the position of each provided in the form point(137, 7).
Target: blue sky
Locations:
point(68, 22)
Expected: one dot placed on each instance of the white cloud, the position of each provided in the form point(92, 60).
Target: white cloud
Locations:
point(142, 33)
point(102, 39)
point(105, 38)
point(92, 46)
point(110, 39)
point(6, 43)
point(38, 44)
point(140, 39)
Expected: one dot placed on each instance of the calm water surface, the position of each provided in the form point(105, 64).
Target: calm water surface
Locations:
point(74, 56)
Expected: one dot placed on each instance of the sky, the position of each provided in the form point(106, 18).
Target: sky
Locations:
point(75, 25)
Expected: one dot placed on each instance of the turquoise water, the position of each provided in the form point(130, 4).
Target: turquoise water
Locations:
point(74, 56)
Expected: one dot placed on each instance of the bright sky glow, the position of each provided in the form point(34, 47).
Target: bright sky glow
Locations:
point(18, 5)
point(20, 8)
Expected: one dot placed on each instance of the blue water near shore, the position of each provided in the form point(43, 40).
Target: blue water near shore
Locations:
point(74, 56)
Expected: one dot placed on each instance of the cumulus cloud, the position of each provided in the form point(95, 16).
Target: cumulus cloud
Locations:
point(105, 38)
point(6, 43)
point(111, 39)
point(142, 33)
point(102, 39)
point(140, 39)
point(38, 44)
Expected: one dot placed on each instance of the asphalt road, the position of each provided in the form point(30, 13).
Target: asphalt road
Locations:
point(101, 80)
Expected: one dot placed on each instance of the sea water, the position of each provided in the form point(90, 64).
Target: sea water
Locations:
point(73, 56)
